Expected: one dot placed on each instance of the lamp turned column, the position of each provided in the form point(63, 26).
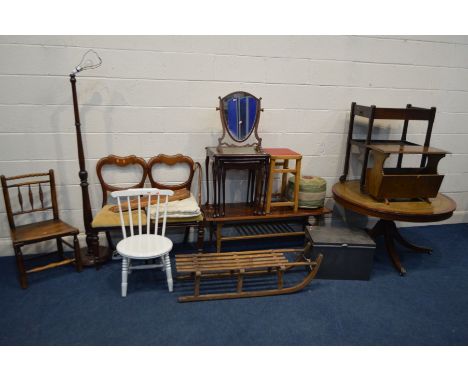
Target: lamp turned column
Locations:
point(90, 255)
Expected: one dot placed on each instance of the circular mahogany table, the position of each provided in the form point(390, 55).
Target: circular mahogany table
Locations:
point(348, 194)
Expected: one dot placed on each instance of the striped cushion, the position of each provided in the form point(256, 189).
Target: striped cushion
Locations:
point(312, 191)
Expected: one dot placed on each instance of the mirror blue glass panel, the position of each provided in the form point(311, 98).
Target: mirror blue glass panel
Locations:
point(240, 111)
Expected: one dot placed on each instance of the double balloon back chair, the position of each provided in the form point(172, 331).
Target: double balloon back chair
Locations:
point(108, 220)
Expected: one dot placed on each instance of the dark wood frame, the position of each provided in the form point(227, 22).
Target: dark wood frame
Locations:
point(258, 166)
point(372, 113)
point(93, 254)
point(172, 160)
point(120, 161)
point(389, 183)
point(257, 144)
point(114, 160)
point(38, 231)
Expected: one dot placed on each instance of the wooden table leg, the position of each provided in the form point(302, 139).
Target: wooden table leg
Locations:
point(219, 227)
point(269, 192)
point(389, 230)
point(207, 168)
point(215, 188)
point(223, 180)
point(393, 253)
point(297, 182)
point(409, 245)
point(267, 179)
point(200, 236)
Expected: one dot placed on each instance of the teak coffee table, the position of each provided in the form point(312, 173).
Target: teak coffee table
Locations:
point(250, 226)
point(441, 207)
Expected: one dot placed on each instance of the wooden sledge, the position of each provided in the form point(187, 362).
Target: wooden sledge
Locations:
point(241, 264)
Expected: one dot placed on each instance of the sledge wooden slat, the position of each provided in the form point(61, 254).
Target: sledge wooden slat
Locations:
point(231, 257)
point(259, 251)
point(223, 256)
point(233, 266)
point(198, 265)
point(226, 254)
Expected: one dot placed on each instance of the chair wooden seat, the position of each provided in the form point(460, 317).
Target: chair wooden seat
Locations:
point(242, 264)
point(40, 231)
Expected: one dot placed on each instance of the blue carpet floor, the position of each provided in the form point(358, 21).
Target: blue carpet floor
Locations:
point(427, 307)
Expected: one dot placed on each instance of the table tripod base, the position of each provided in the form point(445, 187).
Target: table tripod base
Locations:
point(389, 230)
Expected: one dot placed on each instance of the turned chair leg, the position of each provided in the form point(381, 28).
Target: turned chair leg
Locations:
point(21, 270)
point(200, 236)
point(59, 247)
point(76, 246)
point(186, 234)
point(124, 276)
point(110, 242)
point(167, 268)
point(129, 265)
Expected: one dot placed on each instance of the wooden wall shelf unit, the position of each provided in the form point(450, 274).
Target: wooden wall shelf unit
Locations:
point(410, 113)
point(275, 224)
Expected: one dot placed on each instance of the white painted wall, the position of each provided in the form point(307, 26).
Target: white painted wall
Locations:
point(158, 95)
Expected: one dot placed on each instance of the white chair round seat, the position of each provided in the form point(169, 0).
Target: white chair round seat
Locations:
point(144, 246)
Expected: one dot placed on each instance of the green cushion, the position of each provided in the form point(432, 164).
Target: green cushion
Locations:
point(312, 190)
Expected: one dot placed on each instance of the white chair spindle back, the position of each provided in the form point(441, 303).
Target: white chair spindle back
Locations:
point(122, 221)
point(156, 220)
point(148, 221)
point(130, 216)
point(163, 231)
point(138, 193)
point(139, 215)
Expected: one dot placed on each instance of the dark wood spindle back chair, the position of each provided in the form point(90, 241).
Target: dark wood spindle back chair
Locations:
point(173, 160)
point(105, 220)
point(38, 231)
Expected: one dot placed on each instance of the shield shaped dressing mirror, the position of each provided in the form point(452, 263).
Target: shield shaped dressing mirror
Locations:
point(240, 114)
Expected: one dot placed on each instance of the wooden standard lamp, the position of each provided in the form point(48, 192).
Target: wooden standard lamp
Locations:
point(93, 254)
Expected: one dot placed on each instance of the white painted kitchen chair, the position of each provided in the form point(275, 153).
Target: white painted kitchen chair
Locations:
point(148, 245)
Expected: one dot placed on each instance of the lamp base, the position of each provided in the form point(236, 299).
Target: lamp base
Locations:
point(105, 254)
